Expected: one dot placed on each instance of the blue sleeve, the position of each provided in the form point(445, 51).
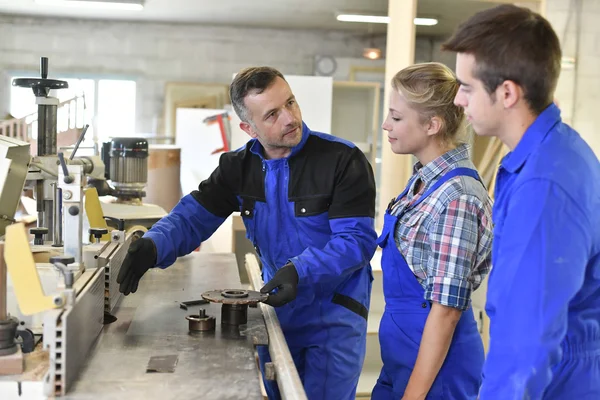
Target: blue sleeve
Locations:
point(182, 231)
point(351, 247)
point(539, 265)
point(197, 216)
point(351, 221)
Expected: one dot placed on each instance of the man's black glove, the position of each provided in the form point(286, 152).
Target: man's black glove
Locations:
point(286, 282)
point(141, 256)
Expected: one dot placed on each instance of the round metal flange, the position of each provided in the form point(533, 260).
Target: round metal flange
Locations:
point(201, 322)
point(234, 296)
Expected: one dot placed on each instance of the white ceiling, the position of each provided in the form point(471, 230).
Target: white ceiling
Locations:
point(292, 14)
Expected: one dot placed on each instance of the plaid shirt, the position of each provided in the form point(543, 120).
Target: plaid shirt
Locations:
point(447, 239)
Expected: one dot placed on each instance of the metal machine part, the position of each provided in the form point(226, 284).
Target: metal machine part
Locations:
point(46, 136)
point(70, 333)
point(126, 163)
point(234, 314)
point(38, 234)
point(47, 107)
point(8, 333)
point(234, 296)
point(70, 180)
point(234, 310)
point(110, 258)
point(201, 322)
point(185, 304)
point(97, 233)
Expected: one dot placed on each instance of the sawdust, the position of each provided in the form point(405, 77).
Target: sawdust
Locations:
point(37, 364)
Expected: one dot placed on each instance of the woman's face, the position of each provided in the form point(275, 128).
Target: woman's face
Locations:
point(406, 133)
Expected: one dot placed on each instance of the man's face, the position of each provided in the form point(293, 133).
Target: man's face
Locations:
point(275, 117)
point(482, 110)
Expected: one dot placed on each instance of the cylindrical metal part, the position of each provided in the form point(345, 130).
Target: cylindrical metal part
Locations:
point(48, 220)
point(57, 218)
point(46, 141)
point(39, 202)
point(129, 163)
point(3, 279)
point(8, 332)
point(128, 170)
point(201, 322)
point(234, 314)
point(88, 165)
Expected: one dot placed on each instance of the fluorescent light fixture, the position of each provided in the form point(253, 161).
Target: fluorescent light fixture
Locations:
point(123, 5)
point(381, 19)
point(372, 19)
point(425, 21)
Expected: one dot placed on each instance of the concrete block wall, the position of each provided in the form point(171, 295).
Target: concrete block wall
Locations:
point(155, 53)
point(578, 90)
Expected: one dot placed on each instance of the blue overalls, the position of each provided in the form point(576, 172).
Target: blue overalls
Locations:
point(404, 320)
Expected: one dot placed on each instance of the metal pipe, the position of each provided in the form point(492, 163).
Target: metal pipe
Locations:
point(57, 228)
point(288, 380)
point(39, 201)
point(3, 291)
point(46, 140)
point(49, 217)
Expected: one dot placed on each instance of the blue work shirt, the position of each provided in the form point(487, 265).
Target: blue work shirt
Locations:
point(544, 290)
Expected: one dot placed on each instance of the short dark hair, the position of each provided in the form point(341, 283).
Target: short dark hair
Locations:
point(512, 43)
point(252, 79)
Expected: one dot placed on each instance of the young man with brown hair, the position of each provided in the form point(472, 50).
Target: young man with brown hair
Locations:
point(544, 289)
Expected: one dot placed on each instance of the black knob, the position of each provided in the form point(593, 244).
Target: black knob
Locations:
point(39, 233)
point(61, 159)
point(73, 210)
point(44, 67)
point(98, 232)
point(62, 259)
point(41, 86)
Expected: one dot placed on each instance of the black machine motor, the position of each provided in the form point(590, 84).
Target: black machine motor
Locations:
point(126, 166)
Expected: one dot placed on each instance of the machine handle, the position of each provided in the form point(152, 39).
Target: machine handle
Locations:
point(44, 67)
point(79, 140)
point(68, 178)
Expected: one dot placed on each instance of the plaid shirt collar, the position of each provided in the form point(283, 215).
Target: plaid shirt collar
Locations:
point(443, 163)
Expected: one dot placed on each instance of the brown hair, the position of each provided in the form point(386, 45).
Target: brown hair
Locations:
point(430, 89)
point(252, 79)
point(512, 43)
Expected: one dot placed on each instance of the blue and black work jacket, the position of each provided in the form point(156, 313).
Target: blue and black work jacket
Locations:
point(314, 208)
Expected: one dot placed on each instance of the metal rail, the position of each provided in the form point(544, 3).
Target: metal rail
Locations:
point(286, 374)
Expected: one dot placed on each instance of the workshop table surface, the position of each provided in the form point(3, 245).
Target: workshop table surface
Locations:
point(150, 323)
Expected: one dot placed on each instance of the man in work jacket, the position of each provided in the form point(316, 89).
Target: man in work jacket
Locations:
point(543, 293)
point(308, 202)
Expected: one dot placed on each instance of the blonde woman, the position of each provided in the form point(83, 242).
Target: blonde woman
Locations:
point(436, 244)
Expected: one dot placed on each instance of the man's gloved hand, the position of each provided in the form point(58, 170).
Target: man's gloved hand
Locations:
point(141, 256)
point(286, 282)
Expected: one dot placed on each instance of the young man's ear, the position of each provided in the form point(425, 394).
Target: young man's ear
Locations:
point(246, 127)
point(509, 93)
point(435, 125)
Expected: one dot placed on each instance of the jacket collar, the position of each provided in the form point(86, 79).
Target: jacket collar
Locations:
point(257, 148)
point(534, 135)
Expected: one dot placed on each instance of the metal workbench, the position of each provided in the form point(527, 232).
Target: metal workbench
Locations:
point(215, 365)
